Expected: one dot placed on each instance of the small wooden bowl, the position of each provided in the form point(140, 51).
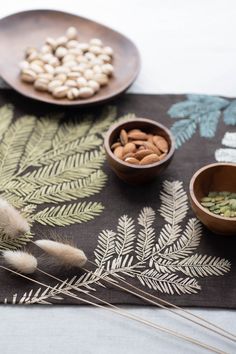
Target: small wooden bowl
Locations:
point(217, 177)
point(136, 174)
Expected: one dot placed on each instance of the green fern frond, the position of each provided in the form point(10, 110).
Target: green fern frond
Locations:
point(7, 243)
point(81, 145)
point(107, 117)
point(12, 146)
point(39, 142)
point(68, 214)
point(67, 191)
point(6, 115)
point(68, 169)
point(70, 131)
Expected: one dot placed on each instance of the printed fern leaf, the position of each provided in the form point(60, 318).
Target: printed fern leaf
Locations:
point(68, 214)
point(7, 243)
point(12, 146)
point(67, 191)
point(208, 124)
point(105, 247)
point(104, 121)
point(183, 130)
point(125, 236)
point(146, 235)
point(230, 114)
point(6, 115)
point(168, 283)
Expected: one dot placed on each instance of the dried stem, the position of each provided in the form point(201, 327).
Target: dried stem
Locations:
point(216, 329)
point(116, 309)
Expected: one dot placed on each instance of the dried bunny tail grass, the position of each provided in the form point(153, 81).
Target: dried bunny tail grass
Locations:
point(23, 262)
point(65, 254)
point(12, 223)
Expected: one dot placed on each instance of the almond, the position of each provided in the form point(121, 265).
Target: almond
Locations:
point(137, 135)
point(115, 145)
point(135, 131)
point(142, 153)
point(132, 160)
point(123, 137)
point(130, 154)
point(138, 142)
point(130, 147)
point(119, 151)
point(149, 159)
point(162, 156)
point(149, 138)
point(152, 147)
point(160, 143)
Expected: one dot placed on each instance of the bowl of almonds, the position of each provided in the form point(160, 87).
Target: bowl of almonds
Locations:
point(139, 150)
point(213, 197)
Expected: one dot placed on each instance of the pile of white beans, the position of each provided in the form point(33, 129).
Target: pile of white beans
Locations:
point(67, 68)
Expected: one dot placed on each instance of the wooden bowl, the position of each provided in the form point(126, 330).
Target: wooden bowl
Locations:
point(30, 28)
point(217, 177)
point(137, 174)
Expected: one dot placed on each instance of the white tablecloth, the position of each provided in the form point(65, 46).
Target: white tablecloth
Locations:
point(186, 46)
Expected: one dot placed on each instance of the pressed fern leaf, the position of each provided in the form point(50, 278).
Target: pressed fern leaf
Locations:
point(7, 243)
point(125, 236)
point(12, 146)
point(104, 121)
point(105, 247)
point(146, 235)
point(68, 214)
point(67, 191)
point(40, 141)
point(6, 115)
point(168, 283)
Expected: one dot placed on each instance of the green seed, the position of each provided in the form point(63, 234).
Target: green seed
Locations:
point(219, 198)
point(206, 199)
point(224, 194)
point(207, 204)
point(224, 209)
point(227, 213)
point(216, 211)
point(232, 203)
point(212, 194)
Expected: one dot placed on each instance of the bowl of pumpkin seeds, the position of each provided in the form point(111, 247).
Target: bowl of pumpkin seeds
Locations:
point(213, 197)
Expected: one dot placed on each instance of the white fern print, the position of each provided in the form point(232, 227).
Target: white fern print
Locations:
point(165, 262)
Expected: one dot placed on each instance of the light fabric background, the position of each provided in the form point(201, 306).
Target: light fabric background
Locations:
point(186, 46)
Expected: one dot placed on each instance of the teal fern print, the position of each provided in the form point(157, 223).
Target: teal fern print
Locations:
point(230, 114)
point(197, 111)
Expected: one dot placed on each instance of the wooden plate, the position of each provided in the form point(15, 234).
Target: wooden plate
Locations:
point(30, 28)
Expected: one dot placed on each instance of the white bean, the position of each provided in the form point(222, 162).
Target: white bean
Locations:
point(60, 92)
point(95, 50)
point(83, 46)
point(102, 79)
point(60, 41)
point(28, 75)
point(41, 84)
point(90, 56)
point(36, 68)
point(53, 84)
point(61, 52)
point(96, 41)
point(81, 82)
point(107, 69)
point(108, 50)
point(97, 69)
point(73, 93)
point(52, 42)
point(104, 57)
point(70, 63)
point(94, 85)
point(62, 70)
point(54, 61)
point(73, 75)
point(71, 33)
point(45, 76)
point(86, 92)
point(88, 74)
point(46, 48)
point(70, 83)
point(72, 44)
point(61, 77)
point(49, 68)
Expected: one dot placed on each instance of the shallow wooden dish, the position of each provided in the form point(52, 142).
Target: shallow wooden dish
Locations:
point(30, 28)
point(217, 177)
point(134, 174)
